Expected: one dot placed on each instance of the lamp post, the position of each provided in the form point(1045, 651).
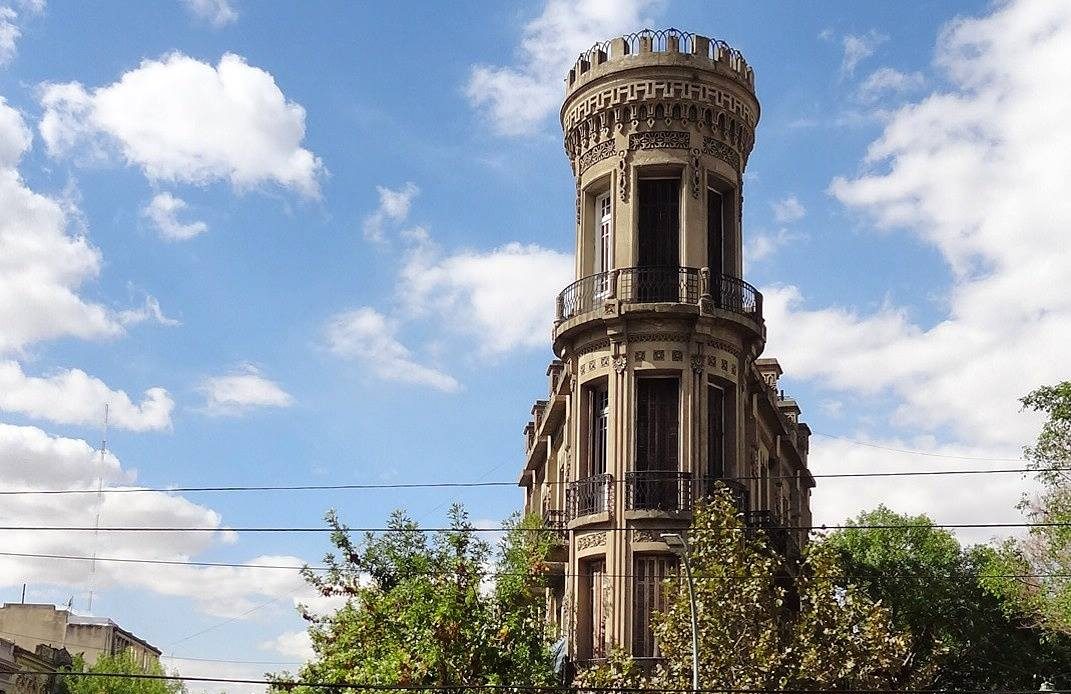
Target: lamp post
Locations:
point(679, 545)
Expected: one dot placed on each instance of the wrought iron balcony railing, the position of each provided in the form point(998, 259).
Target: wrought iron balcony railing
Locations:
point(591, 495)
point(679, 285)
point(658, 490)
point(556, 520)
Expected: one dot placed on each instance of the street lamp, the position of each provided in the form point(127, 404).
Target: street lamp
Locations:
point(679, 545)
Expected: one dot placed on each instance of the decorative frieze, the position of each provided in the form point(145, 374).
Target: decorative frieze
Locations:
point(603, 150)
point(660, 139)
point(717, 148)
point(657, 337)
point(590, 540)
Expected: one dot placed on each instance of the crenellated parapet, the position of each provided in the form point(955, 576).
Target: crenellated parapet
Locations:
point(666, 88)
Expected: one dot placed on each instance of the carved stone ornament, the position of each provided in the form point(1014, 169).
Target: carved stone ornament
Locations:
point(717, 148)
point(578, 198)
point(589, 540)
point(603, 150)
point(619, 365)
point(697, 174)
point(645, 536)
point(697, 363)
point(623, 174)
point(660, 139)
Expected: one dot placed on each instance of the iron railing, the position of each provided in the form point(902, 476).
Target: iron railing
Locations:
point(641, 285)
point(557, 521)
point(591, 495)
point(781, 539)
point(658, 490)
point(659, 284)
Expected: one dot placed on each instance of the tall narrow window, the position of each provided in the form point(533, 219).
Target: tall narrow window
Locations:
point(656, 482)
point(715, 233)
point(716, 432)
point(595, 616)
point(658, 275)
point(598, 425)
point(603, 242)
point(657, 423)
point(648, 599)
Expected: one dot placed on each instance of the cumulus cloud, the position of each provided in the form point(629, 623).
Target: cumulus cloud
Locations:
point(218, 13)
point(148, 312)
point(971, 171)
point(887, 80)
point(10, 26)
point(859, 47)
point(764, 245)
point(33, 459)
point(183, 120)
point(393, 207)
point(517, 99)
point(789, 210)
point(74, 397)
point(163, 212)
point(504, 295)
point(238, 392)
point(42, 265)
point(367, 336)
point(291, 644)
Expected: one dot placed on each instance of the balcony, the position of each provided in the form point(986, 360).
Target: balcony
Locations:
point(658, 490)
point(645, 285)
point(556, 521)
point(591, 495)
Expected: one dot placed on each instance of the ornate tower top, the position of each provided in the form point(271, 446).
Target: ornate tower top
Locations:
point(664, 78)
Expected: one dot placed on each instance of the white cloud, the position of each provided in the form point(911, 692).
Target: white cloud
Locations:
point(218, 13)
point(886, 79)
point(789, 210)
point(971, 171)
point(10, 29)
point(367, 336)
point(150, 311)
point(859, 47)
point(393, 207)
point(42, 266)
point(291, 644)
point(33, 459)
point(163, 211)
point(238, 392)
point(75, 397)
point(517, 99)
point(504, 296)
point(763, 245)
point(183, 120)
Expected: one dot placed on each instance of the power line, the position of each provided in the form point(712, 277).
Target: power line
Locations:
point(491, 574)
point(471, 485)
point(911, 451)
point(329, 529)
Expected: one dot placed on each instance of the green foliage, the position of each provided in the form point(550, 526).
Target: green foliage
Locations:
point(1047, 551)
point(952, 603)
point(123, 663)
point(422, 610)
point(756, 633)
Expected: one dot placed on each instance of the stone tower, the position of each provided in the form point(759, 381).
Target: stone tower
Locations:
point(659, 389)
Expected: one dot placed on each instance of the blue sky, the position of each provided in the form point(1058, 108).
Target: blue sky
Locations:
point(319, 242)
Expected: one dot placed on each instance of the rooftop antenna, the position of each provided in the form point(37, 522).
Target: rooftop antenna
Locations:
point(100, 505)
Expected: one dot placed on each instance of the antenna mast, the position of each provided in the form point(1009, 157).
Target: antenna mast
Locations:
point(100, 505)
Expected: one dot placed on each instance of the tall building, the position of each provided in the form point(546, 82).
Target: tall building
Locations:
point(658, 390)
point(29, 625)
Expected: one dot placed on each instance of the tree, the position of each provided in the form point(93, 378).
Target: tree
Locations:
point(961, 633)
point(1046, 554)
point(759, 630)
point(427, 611)
point(122, 663)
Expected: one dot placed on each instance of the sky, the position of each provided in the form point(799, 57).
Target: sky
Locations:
point(319, 243)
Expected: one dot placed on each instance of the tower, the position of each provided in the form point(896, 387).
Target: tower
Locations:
point(658, 390)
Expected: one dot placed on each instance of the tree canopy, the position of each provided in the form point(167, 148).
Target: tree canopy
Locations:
point(122, 663)
point(439, 610)
point(760, 629)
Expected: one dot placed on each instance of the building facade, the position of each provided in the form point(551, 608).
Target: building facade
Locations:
point(31, 625)
point(31, 672)
point(659, 390)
